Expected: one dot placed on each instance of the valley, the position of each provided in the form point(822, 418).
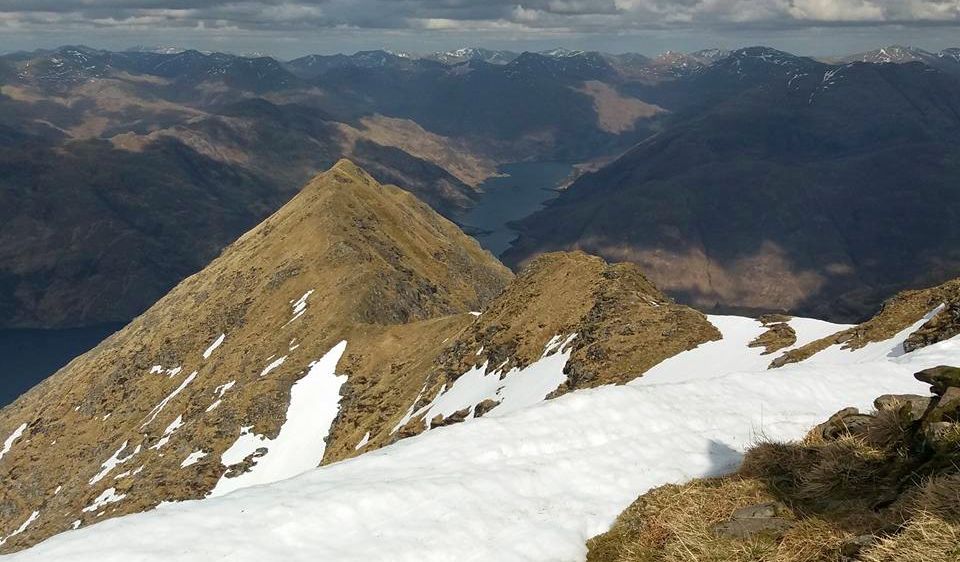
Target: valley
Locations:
point(517, 191)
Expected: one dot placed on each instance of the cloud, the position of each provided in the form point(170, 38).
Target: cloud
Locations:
point(517, 17)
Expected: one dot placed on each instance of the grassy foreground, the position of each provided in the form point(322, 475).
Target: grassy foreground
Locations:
point(883, 487)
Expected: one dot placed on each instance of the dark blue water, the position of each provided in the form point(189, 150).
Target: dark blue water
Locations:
point(29, 356)
point(521, 192)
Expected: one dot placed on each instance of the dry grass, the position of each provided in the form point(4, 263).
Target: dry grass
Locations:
point(673, 523)
point(925, 538)
point(812, 540)
point(884, 484)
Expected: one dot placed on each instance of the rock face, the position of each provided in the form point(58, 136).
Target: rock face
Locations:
point(148, 415)
point(899, 313)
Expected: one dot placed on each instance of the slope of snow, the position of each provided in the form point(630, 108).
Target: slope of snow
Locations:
point(514, 390)
point(314, 403)
point(532, 484)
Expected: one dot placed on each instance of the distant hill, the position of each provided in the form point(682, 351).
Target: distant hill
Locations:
point(782, 183)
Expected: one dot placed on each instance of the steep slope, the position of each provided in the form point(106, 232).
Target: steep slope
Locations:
point(778, 188)
point(531, 484)
point(237, 363)
point(107, 154)
point(567, 322)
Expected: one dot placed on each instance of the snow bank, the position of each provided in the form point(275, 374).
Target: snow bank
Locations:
point(531, 484)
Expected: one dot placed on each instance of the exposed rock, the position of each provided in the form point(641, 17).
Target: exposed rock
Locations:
point(848, 421)
point(760, 511)
point(778, 336)
point(772, 527)
point(456, 417)
point(484, 407)
point(852, 547)
point(917, 404)
point(940, 378)
point(943, 326)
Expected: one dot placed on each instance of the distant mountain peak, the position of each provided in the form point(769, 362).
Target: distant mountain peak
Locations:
point(896, 54)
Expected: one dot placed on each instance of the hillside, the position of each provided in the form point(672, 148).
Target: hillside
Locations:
point(231, 347)
point(529, 483)
point(357, 322)
point(776, 187)
point(351, 318)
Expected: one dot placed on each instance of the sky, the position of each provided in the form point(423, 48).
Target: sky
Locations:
point(290, 28)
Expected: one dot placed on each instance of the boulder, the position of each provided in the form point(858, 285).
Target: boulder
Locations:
point(940, 378)
point(848, 421)
point(918, 404)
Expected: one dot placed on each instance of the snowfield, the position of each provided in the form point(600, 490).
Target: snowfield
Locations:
point(530, 484)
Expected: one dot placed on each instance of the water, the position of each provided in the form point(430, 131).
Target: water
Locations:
point(522, 192)
point(29, 356)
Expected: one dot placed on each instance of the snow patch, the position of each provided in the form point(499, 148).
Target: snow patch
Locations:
point(8, 444)
point(192, 458)
point(276, 363)
point(114, 461)
point(363, 442)
point(300, 306)
point(168, 433)
point(213, 346)
point(163, 403)
point(33, 517)
point(299, 447)
point(107, 497)
point(516, 389)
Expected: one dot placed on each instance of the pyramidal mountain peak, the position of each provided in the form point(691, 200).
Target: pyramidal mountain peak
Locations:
point(219, 359)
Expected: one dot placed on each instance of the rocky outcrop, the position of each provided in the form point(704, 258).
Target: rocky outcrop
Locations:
point(943, 326)
point(897, 314)
point(779, 334)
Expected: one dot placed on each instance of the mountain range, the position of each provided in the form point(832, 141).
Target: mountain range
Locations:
point(125, 172)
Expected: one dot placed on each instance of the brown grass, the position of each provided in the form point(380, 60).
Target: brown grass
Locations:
point(879, 496)
point(926, 538)
point(673, 523)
